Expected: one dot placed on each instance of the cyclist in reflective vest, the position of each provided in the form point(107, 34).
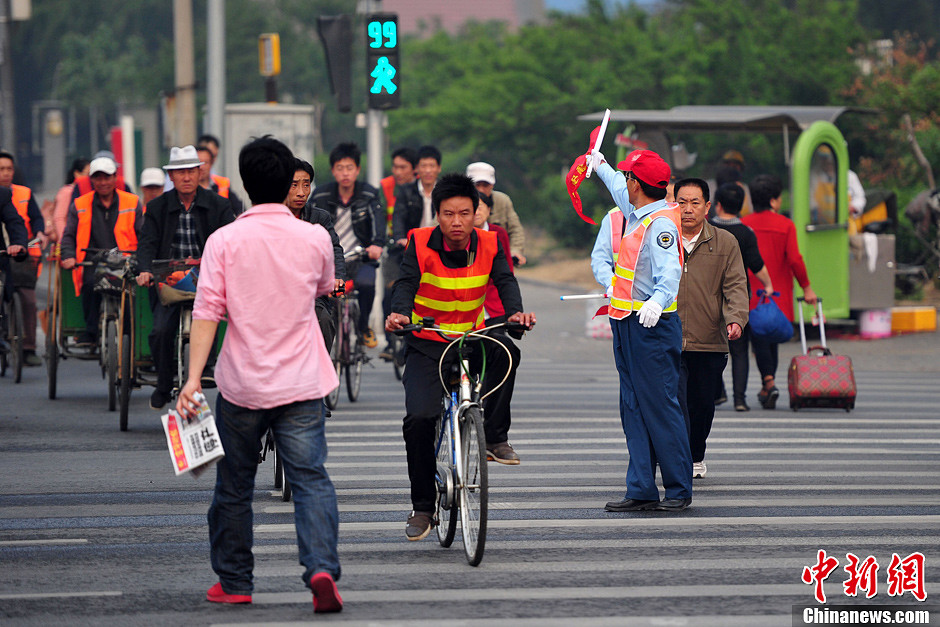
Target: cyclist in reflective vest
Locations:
point(647, 333)
point(25, 273)
point(444, 274)
point(217, 183)
point(105, 218)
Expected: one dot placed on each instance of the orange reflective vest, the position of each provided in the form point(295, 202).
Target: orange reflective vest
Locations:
point(452, 296)
point(622, 303)
point(616, 231)
point(21, 196)
point(124, 233)
point(388, 190)
point(223, 183)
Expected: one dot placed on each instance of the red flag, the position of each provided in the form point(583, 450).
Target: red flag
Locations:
point(600, 312)
point(573, 181)
point(597, 129)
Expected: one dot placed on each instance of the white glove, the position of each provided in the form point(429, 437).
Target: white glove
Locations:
point(649, 313)
point(597, 158)
point(610, 291)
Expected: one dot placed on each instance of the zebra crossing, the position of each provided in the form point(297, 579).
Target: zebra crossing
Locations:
point(780, 487)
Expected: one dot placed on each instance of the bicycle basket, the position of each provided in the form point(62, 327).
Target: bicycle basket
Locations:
point(109, 273)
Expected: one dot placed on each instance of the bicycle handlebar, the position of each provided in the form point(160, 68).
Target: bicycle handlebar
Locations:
point(427, 324)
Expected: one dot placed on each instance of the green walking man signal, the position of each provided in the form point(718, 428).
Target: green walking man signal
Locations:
point(382, 61)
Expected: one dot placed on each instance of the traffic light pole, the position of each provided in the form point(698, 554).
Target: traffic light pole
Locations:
point(375, 132)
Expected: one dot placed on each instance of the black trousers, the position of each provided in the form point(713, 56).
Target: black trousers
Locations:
point(765, 354)
point(91, 308)
point(740, 363)
point(326, 317)
point(699, 383)
point(166, 322)
point(423, 406)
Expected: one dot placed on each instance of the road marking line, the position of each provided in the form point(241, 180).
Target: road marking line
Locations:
point(60, 595)
point(583, 544)
point(568, 592)
point(649, 520)
point(43, 542)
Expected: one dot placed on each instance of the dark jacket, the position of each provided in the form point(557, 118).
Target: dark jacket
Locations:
point(403, 295)
point(15, 229)
point(315, 215)
point(156, 237)
point(368, 216)
point(409, 207)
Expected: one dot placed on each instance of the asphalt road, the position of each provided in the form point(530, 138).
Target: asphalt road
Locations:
point(95, 529)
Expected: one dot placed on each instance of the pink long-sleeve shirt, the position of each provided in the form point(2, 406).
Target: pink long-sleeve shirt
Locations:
point(264, 272)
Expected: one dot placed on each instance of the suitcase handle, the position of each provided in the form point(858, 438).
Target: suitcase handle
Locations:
point(822, 323)
point(823, 350)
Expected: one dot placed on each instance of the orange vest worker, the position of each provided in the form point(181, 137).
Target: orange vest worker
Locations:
point(452, 296)
point(124, 233)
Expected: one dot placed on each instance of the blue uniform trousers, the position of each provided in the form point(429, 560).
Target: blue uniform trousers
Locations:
point(648, 363)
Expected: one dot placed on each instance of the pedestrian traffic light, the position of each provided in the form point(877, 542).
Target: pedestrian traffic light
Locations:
point(336, 34)
point(383, 71)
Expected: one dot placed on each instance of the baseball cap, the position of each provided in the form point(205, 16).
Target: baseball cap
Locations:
point(647, 166)
point(102, 164)
point(480, 171)
point(733, 155)
point(152, 176)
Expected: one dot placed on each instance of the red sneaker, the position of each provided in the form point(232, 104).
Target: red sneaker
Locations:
point(325, 595)
point(217, 595)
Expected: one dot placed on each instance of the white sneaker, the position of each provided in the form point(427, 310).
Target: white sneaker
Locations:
point(698, 470)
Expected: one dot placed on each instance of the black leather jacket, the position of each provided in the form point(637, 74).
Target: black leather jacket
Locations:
point(368, 216)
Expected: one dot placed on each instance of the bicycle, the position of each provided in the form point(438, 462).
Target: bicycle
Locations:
point(348, 352)
point(11, 327)
point(280, 478)
point(460, 442)
point(162, 269)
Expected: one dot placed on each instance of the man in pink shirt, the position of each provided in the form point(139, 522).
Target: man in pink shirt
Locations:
point(272, 373)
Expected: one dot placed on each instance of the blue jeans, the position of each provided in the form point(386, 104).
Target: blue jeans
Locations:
point(301, 444)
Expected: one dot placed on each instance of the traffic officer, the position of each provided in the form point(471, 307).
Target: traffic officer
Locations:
point(647, 344)
point(25, 273)
point(104, 218)
point(443, 267)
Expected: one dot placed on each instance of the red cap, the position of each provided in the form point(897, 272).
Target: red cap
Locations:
point(647, 166)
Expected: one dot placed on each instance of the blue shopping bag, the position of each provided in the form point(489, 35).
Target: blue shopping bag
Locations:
point(768, 322)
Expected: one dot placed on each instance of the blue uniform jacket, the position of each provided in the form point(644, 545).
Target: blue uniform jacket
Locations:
point(658, 269)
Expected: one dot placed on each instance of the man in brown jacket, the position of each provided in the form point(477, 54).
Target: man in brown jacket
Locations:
point(713, 306)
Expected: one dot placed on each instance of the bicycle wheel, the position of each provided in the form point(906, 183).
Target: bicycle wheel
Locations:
point(356, 355)
point(472, 485)
point(333, 397)
point(112, 363)
point(336, 354)
point(278, 471)
point(447, 507)
point(16, 337)
point(52, 349)
point(286, 491)
point(127, 379)
point(398, 357)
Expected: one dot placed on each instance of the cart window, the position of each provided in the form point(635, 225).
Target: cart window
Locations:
point(823, 186)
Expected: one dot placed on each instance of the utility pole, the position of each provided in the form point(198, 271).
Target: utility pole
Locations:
point(215, 87)
point(8, 141)
point(185, 72)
